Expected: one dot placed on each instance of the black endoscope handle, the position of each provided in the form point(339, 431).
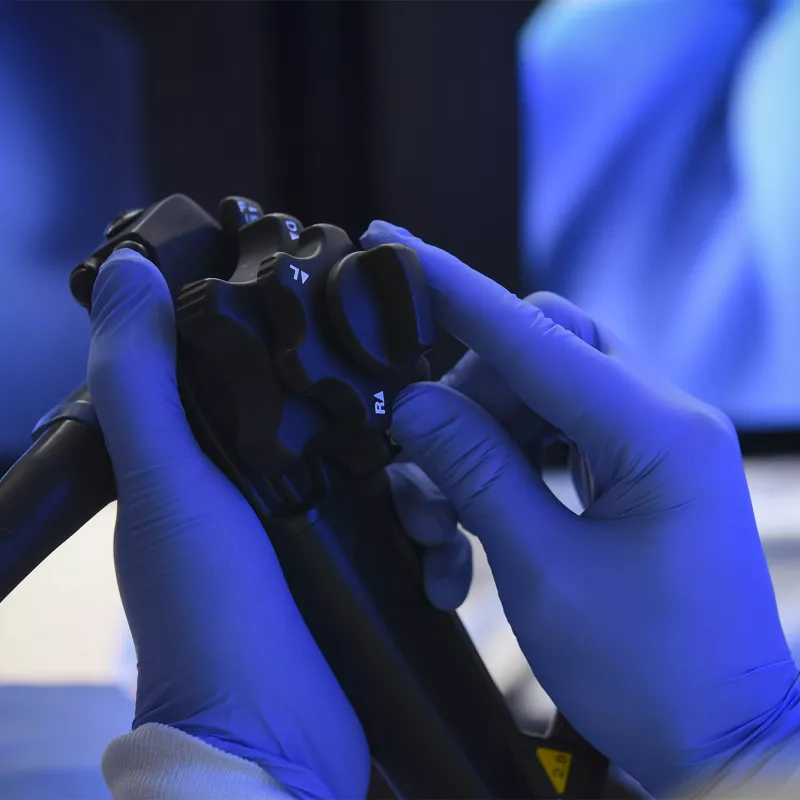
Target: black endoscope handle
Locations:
point(437, 725)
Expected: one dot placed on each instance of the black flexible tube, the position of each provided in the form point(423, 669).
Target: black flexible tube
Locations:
point(55, 488)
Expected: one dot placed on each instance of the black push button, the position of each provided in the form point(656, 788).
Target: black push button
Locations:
point(136, 246)
point(83, 277)
point(379, 306)
point(122, 221)
point(236, 212)
point(81, 281)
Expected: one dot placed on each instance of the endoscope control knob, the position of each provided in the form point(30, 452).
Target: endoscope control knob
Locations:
point(235, 212)
point(379, 306)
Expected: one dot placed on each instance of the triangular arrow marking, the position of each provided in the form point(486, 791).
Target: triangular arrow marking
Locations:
point(303, 276)
point(379, 396)
point(556, 764)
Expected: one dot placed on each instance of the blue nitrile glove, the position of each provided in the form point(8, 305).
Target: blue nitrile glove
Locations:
point(651, 619)
point(222, 651)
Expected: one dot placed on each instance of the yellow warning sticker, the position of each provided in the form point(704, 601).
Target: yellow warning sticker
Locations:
point(556, 764)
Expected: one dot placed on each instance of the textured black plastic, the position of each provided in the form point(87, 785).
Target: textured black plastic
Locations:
point(182, 240)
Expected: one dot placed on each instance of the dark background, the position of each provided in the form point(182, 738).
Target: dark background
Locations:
point(338, 112)
point(342, 112)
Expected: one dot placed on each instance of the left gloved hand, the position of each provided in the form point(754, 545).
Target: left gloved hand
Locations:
point(223, 653)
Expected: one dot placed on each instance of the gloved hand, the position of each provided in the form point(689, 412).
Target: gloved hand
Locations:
point(223, 653)
point(650, 620)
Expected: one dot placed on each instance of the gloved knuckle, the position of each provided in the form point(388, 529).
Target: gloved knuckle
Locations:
point(482, 473)
point(544, 299)
point(538, 326)
point(711, 431)
point(560, 311)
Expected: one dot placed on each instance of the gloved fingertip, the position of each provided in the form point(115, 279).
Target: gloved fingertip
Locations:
point(131, 370)
point(448, 574)
point(124, 274)
point(402, 486)
point(425, 512)
point(122, 260)
point(382, 232)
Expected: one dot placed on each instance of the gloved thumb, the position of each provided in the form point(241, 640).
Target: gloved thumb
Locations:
point(475, 464)
point(131, 372)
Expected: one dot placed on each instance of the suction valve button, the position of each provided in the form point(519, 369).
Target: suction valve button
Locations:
point(122, 221)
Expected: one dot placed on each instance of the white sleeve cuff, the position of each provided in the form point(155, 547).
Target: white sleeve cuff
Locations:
point(156, 762)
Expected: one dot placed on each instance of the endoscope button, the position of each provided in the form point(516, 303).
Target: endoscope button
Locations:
point(236, 212)
point(122, 221)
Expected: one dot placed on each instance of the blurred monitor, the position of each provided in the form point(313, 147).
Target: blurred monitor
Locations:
point(660, 152)
point(660, 182)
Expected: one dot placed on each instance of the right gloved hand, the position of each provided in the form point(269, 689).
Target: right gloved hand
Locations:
point(651, 619)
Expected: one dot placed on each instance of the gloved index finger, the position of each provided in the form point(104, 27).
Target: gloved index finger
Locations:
point(573, 386)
